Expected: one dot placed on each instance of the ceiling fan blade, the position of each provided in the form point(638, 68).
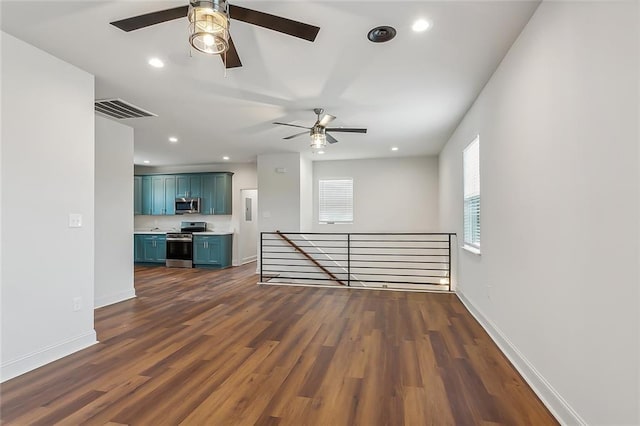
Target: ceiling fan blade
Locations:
point(341, 129)
point(230, 58)
point(292, 125)
point(328, 118)
point(275, 23)
point(296, 135)
point(152, 18)
point(330, 138)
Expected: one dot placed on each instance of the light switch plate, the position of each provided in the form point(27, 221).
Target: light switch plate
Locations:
point(75, 220)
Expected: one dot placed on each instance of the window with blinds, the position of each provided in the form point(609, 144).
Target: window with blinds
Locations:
point(336, 201)
point(471, 170)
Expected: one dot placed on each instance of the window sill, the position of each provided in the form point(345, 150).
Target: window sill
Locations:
point(472, 250)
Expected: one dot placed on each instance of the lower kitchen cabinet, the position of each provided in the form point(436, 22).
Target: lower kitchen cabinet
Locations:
point(212, 251)
point(149, 248)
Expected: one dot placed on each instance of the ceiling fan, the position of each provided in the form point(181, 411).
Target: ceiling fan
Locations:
point(320, 132)
point(209, 25)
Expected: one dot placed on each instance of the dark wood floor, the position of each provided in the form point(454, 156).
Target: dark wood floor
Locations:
point(212, 348)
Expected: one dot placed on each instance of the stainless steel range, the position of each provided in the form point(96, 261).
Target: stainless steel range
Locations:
point(180, 244)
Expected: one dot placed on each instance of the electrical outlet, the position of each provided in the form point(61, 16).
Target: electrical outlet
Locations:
point(77, 303)
point(75, 220)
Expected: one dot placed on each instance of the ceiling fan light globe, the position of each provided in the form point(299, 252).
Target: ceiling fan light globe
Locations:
point(318, 141)
point(209, 43)
point(209, 27)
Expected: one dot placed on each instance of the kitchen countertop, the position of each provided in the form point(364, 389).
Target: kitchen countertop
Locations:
point(161, 232)
point(154, 232)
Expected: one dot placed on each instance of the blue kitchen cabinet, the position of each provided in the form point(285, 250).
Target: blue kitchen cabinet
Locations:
point(156, 194)
point(137, 195)
point(169, 195)
point(147, 195)
point(138, 248)
point(161, 249)
point(213, 251)
point(223, 195)
point(208, 192)
point(163, 195)
point(188, 186)
point(217, 193)
point(149, 248)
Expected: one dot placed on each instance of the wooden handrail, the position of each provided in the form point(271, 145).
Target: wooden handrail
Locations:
point(308, 256)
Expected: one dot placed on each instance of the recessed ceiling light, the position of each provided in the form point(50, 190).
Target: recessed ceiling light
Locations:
point(421, 25)
point(225, 158)
point(320, 152)
point(394, 148)
point(173, 139)
point(146, 161)
point(156, 63)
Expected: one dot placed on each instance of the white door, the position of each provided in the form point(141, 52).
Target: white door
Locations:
point(248, 233)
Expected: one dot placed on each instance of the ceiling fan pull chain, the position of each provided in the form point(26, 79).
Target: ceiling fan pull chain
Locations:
point(225, 63)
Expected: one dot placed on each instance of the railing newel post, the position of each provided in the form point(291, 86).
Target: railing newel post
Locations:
point(349, 260)
point(449, 265)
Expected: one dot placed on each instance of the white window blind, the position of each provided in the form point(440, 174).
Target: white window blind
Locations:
point(336, 200)
point(471, 167)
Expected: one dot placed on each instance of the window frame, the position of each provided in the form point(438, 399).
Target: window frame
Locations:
point(320, 202)
point(471, 233)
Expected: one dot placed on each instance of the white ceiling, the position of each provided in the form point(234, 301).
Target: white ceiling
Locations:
point(410, 92)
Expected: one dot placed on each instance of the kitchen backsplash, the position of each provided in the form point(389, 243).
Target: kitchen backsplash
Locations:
point(170, 223)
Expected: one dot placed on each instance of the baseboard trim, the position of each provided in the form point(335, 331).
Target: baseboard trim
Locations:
point(36, 359)
point(344, 287)
point(121, 296)
point(249, 259)
point(558, 406)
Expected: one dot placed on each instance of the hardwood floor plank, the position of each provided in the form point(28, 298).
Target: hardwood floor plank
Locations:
point(203, 347)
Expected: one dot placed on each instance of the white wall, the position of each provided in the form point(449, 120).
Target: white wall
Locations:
point(47, 173)
point(113, 207)
point(389, 194)
point(244, 177)
point(279, 192)
point(557, 281)
point(306, 194)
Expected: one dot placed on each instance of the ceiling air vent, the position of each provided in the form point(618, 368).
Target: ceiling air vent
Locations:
point(117, 108)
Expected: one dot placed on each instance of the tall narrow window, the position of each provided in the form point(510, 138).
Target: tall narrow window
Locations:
point(471, 167)
point(336, 201)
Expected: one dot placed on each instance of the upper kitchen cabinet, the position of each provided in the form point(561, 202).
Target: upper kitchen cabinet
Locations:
point(189, 186)
point(137, 195)
point(146, 195)
point(156, 194)
point(217, 193)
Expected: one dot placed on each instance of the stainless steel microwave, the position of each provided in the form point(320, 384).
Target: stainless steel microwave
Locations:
point(187, 205)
